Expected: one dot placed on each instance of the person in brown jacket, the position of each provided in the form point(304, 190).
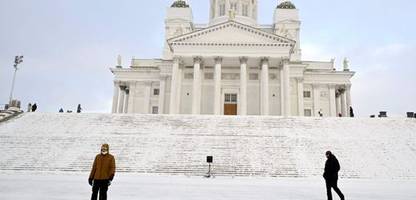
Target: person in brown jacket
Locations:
point(102, 173)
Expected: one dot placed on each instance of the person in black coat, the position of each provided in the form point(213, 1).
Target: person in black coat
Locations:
point(34, 107)
point(332, 168)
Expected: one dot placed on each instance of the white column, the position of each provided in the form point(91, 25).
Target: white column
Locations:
point(316, 100)
point(115, 96)
point(173, 86)
point(196, 95)
point(179, 89)
point(348, 99)
point(121, 99)
point(338, 101)
point(264, 86)
point(286, 88)
point(243, 86)
point(301, 111)
point(162, 86)
point(126, 100)
point(344, 104)
point(217, 86)
point(332, 101)
point(131, 104)
point(282, 92)
point(147, 93)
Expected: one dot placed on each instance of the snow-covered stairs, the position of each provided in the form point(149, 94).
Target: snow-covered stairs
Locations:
point(241, 146)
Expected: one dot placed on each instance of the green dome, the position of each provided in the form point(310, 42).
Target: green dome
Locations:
point(286, 5)
point(180, 4)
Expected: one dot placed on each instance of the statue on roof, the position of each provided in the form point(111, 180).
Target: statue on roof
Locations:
point(346, 65)
point(119, 61)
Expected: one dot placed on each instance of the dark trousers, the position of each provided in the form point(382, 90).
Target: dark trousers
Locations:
point(99, 186)
point(333, 184)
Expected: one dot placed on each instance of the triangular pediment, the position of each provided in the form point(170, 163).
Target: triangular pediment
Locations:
point(231, 33)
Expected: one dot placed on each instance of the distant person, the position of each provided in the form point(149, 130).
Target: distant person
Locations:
point(332, 168)
point(29, 107)
point(34, 107)
point(339, 114)
point(351, 112)
point(102, 173)
point(61, 110)
point(320, 113)
point(79, 109)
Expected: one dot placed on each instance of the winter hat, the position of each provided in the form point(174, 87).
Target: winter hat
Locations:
point(329, 153)
point(106, 146)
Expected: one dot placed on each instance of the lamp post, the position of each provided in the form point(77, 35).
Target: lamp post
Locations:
point(17, 61)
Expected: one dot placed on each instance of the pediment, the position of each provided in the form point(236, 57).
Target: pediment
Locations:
point(231, 33)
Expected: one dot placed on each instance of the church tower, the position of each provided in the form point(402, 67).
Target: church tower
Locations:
point(287, 24)
point(243, 11)
point(179, 20)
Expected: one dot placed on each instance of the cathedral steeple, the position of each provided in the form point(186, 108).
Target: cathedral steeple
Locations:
point(244, 11)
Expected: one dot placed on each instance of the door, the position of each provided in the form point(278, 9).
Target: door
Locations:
point(230, 109)
point(230, 104)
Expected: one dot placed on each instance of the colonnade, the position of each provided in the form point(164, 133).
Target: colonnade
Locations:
point(198, 71)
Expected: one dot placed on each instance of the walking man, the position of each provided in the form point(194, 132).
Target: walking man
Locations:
point(102, 173)
point(332, 168)
point(34, 107)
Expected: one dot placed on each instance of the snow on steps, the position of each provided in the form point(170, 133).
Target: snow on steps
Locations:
point(241, 146)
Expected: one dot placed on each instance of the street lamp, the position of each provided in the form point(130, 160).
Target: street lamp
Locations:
point(17, 61)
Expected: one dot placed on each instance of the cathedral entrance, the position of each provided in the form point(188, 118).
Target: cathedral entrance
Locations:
point(230, 104)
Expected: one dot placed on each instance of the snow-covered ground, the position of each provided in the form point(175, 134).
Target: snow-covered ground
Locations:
point(242, 146)
point(139, 187)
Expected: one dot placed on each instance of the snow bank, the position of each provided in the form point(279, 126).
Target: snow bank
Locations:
point(241, 146)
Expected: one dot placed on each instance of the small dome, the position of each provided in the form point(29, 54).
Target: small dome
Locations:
point(286, 5)
point(180, 4)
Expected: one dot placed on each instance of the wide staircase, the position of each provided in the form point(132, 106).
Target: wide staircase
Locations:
point(179, 144)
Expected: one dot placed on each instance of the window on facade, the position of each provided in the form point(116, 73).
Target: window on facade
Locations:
point(245, 10)
point(307, 94)
point(222, 9)
point(308, 112)
point(156, 92)
point(155, 110)
point(230, 98)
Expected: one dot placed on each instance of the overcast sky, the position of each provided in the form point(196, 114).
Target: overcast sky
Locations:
point(69, 46)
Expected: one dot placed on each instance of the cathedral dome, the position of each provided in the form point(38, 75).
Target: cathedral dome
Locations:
point(286, 5)
point(180, 4)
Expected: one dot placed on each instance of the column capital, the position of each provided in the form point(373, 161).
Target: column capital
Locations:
point(197, 59)
point(264, 60)
point(285, 60)
point(218, 59)
point(177, 59)
point(299, 79)
point(243, 60)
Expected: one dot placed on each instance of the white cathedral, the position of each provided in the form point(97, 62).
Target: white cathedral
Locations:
point(232, 66)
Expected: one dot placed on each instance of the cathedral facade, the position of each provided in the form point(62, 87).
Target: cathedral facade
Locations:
point(232, 66)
